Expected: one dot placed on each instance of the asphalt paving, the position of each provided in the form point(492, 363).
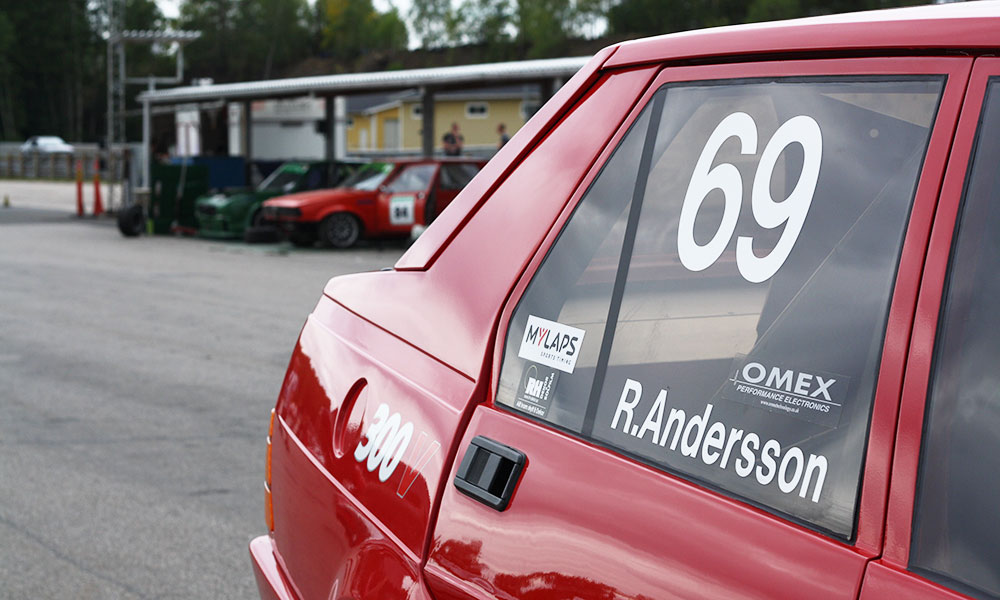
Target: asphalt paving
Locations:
point(136, 380)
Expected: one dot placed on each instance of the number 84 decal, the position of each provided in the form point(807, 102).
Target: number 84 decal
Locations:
point(386, 442)
point(792, 211)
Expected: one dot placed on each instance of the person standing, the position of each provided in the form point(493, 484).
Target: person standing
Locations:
point(502, 132)
point(453, 141)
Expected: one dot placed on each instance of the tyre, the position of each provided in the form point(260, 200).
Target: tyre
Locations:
point(340, 230)
point(261, 234)
point(301, 240)
point(131, 220)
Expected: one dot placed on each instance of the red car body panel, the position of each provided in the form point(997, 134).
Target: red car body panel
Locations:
point(371, 207)
point(317, 204)
point(586, 521)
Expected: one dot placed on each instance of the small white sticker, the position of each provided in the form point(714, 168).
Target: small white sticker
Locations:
point(551, 344)
point(401, 210)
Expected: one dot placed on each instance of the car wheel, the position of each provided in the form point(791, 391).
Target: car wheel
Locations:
point(131, 220)
point(257, 220)
point(340, 230)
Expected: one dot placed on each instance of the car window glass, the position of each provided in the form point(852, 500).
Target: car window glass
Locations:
point(573, 286)
point(751, 300)
point(457, 176)
point(279, 180)
point(368, 177)
point(414, 178)
point(955, 527)
point(314, 177)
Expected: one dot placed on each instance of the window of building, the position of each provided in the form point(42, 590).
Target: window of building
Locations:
point(477, 110)
point(716, 304)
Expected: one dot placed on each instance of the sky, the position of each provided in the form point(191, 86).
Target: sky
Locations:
point(170, 7)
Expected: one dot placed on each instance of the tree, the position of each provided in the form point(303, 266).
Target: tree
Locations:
point(353, 28)
point(436, 23)
point(276, 33)
point(545, 26)
point(218, 53)
point(489, 22)
point(51, 56)
point(8, 126)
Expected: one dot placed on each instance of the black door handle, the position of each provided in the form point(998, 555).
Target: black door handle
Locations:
point(489, 472)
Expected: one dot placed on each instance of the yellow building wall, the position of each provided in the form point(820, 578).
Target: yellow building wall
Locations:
point(362, 123)
point(382, 117)
point(478, 132)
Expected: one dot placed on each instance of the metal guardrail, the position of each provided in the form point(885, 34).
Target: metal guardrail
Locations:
point(63, 166)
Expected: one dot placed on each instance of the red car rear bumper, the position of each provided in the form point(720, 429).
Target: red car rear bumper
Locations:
point(271, 583)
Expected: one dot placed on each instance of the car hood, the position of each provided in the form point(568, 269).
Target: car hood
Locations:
point(315, 197)
point(223, 200)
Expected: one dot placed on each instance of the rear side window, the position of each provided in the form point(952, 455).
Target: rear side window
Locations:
point(456, 176)
point(956, 527)
point(715, 305)
point(414, 178)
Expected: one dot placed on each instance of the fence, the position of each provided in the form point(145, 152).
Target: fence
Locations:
point(63, 166)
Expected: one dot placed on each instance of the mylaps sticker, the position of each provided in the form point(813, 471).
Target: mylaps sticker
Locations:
point(534, 394)
point(552, 344)
point(808, 394)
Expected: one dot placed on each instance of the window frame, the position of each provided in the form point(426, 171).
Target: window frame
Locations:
point(916, 387)
point(870, 514)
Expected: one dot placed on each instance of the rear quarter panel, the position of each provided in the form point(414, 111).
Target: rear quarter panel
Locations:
point(339, 525)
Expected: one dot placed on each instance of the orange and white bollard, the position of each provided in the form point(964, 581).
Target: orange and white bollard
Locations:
point(98, 207)
point(79, 187)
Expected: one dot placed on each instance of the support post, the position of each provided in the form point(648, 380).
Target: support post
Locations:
point(330, 132)
point(427, 121)
point(248, 140)
point(146, 142)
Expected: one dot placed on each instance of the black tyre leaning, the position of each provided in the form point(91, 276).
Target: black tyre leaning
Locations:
point(131, 220)
point(261, 234)
point(340, 230)
point(301, 240)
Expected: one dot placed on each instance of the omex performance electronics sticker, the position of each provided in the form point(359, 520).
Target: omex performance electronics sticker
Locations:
point(814, 396)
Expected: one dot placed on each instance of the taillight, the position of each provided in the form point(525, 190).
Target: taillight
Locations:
point(268, 505)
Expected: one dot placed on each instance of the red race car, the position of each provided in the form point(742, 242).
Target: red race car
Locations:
point(383, 199)
point(718, 322)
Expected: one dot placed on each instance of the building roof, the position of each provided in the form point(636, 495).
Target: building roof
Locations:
point(490, 74)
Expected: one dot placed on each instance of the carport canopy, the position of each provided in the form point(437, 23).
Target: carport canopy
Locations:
point(548, 73)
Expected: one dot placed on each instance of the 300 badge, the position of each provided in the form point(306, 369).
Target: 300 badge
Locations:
point(386, 442)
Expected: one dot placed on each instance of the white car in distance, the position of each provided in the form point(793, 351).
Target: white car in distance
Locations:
point(46, 144)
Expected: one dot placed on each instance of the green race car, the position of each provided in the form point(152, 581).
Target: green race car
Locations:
point(231, 215)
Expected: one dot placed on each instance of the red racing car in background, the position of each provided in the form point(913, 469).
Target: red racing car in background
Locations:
point(383, 199)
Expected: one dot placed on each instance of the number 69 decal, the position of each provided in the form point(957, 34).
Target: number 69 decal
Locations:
point(769, 214)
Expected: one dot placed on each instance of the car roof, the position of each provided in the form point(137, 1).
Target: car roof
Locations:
point(965, 26)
